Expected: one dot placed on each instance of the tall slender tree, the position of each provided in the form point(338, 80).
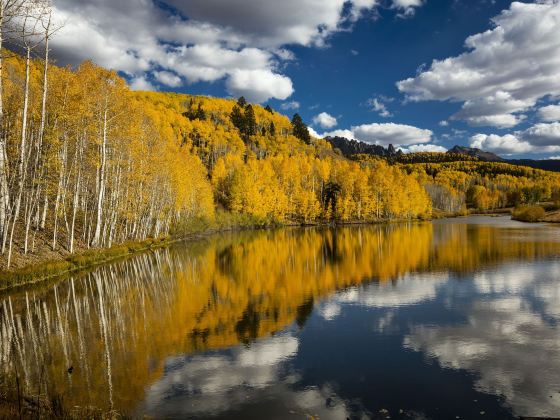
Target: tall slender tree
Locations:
point(299, 129)
point(10, 11)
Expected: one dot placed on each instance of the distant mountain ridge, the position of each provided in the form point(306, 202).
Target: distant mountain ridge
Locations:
point(354, 147)
point(547, 165)
point(474, 152)
point(350, 147)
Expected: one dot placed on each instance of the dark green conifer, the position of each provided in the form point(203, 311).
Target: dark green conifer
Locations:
point(299, 129)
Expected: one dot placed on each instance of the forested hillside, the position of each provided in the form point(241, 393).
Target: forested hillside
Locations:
point(89, 163)
point(464, 178)
point(262, 164)
point(454, 186)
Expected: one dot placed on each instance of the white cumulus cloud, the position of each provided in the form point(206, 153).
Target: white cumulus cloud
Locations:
point(543, 134)
point(540, 138)
point(259, 85)
point(168, 78)
point(314, 133)
point(241, 42)
point(415, 148)
point(324, 120)
point(505, 71)
point(550, 113)
point(407, 6)
point(141, 83)
point(349, 134)
point(508, 144)
point(292, 105)
point(378, 106)
point(385, 134)
point(391, 133)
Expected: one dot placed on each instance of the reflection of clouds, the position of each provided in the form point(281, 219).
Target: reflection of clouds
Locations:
point(536, 282)
point(268, 353)
point(506, 339)
point(330, 310)
point(386, 322)
point(409, 289)
point(549, 294)
point(509, 279)
point(215, 383)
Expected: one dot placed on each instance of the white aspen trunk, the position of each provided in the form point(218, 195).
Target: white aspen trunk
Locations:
point(4, 193)
point(21, 163)
point(32, 197)
point(63, 158)
point(45, 86)
point(42, 223)
point(45, 209)
point(111, 225)
point(30, 211)
point(75, 202)
point(74, 212)
point(101, 192)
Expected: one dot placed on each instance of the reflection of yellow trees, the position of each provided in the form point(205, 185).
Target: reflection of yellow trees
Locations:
point(118, 324)
point(463, 247)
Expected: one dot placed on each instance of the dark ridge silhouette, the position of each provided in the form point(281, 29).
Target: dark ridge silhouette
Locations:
point(480, 154)
point(547, 165)
point(354, 147)
point(350, 147)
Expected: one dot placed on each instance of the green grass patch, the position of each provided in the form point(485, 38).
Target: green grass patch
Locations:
point(77, 262)
point(222, 221)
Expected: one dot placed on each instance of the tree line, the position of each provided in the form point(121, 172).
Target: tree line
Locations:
point(263, 164)
point(456, 186)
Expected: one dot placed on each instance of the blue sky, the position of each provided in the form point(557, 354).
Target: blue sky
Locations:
point(380, 71)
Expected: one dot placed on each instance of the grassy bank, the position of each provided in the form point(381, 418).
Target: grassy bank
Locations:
point(45, 270)
point(442, 214)
point(49, 268)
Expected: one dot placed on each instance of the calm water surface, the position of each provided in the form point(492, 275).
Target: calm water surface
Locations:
point(435, 320)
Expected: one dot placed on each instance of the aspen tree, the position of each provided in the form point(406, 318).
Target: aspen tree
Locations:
point(10, 10)
point(32, 14)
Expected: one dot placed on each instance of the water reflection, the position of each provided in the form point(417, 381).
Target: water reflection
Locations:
point(510, 338)
point(237, 324)
point(222, 382)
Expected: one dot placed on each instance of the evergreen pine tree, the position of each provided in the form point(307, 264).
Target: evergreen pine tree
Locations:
point(200, 114)
point(299, 129)
point(237, 118)
point(241, 102)
point(250, 121)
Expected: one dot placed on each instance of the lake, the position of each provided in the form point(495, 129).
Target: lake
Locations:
point(456, 317)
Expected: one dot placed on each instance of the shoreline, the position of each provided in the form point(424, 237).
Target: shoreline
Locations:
point(79, 262)
point(82, 261)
